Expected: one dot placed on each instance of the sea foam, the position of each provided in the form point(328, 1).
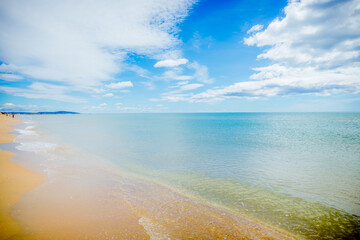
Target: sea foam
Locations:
point(27, 131)
point(36, 146)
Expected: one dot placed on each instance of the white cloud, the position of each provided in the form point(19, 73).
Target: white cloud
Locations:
point(255, 28)
point(184, 87)
point(320, 33)
point(277, 80)
point(102, 104)
point(8, 105)
point(9, 77)
point(82, 43)
point(171, 62)
point(179, 84)
point(39, 90)
point(99, 90)
point(315, 48)
point(120, 85)
point(118, 104)
point(175, 75)
point(138, 70)
point(108, 95)
point(191, 86)
point(201, 73)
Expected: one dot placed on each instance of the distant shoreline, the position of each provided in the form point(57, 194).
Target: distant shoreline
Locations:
point(40, 113)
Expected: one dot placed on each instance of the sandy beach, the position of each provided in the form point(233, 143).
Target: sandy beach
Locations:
point(90, 203)
point(15, 181)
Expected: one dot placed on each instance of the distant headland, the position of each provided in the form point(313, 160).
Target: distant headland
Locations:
point(33, 113)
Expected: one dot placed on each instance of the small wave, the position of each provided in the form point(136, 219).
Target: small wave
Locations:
point(36, 146)
point(28, 122)
point(27, 131)
point(155, 231)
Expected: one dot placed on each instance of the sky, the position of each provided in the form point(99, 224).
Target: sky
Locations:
point(113, 56)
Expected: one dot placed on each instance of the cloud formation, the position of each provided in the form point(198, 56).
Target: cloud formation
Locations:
point(83, 43)
point(201, 73)
point(171, 62)
point(321, 33)
point(315, 49)
point(40, 90)
point(120, 85)
point(255, 28)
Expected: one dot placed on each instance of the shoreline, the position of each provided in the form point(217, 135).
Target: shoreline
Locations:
point(81, 202)
point(15, 181)
point(210, 205)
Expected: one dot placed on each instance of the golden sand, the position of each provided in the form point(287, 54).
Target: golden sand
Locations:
point(14, 182)
point(90, 203)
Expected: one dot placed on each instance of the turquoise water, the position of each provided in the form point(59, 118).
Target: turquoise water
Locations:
point(298, 171)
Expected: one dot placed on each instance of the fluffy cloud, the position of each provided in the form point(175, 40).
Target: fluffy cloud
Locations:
point(171, 62)
point(315, 48)
point(277, 80)
point(321, 33)
point(8, 105)
point(255, 28)
point(120, 85)
point(82, 43)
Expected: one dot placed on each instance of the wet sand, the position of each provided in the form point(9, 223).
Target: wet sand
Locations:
point(81, 202)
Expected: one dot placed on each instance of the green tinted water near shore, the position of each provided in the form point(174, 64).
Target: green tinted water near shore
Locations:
point(297, 171)
point(313, 220)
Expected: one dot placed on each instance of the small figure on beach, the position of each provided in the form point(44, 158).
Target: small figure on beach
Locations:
point(13, 115)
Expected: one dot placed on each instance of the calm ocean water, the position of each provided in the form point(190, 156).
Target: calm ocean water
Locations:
point(297, 171)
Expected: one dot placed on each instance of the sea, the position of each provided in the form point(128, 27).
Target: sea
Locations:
point(296, 171)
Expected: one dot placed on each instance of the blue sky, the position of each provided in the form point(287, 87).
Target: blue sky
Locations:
point(180, 56)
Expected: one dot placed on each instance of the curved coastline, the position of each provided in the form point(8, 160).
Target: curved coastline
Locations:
point(83, 201)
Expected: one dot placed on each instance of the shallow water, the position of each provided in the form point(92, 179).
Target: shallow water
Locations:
point(297, 171)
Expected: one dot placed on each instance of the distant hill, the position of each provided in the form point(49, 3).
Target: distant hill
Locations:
point(58, 112)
